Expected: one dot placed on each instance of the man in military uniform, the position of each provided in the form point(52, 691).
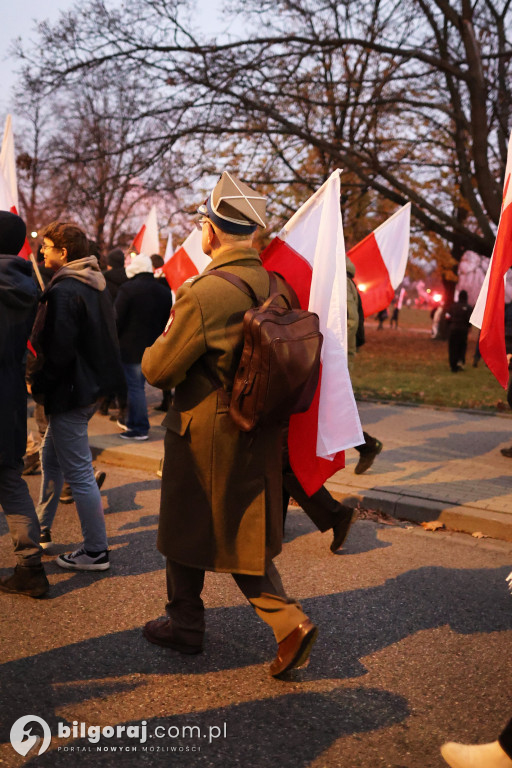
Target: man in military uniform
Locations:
point(221, 505)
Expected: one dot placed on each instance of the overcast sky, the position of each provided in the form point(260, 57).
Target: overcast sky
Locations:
point(18, 20)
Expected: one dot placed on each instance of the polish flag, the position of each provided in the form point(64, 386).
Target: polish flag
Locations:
point(310, 253)
point(8, 181)
point(169, 251)
point(146, 240)
point(489, 311)
point(189, 260)
point(380, 260)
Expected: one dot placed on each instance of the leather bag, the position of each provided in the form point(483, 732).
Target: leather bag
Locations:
point(280, 363)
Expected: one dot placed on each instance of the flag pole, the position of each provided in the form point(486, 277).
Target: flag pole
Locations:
point(36, 270)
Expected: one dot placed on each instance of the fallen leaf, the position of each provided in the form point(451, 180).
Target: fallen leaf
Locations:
point(479, 535)
point(432, 525)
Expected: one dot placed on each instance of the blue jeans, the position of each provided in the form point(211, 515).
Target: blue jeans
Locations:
point(65, 455)
point(137, 411)
point(21, 516)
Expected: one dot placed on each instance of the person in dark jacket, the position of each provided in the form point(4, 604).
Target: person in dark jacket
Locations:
point(75, 338)
point(160, 277)
point(142, 311)
point(458, 315)
point(115, 274)
point(18, 299)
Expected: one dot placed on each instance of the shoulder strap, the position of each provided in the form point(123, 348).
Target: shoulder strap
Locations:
point(243, 286)
point(238, 282)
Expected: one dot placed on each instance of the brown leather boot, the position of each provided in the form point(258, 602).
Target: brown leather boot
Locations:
point(162, 632)
point(26, 580)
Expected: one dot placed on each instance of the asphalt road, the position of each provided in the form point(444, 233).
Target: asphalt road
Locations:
point(414, 649)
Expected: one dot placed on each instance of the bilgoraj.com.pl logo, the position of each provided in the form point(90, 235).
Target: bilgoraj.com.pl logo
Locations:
point(24, 740)
point(26, 736)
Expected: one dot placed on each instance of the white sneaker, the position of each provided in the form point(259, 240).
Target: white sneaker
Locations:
point(81, 561)
point(475, 755)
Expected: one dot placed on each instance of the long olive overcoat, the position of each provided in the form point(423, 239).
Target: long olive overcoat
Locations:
point(221, 505)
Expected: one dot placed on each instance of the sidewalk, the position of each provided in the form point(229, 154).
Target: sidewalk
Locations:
point(436, 464)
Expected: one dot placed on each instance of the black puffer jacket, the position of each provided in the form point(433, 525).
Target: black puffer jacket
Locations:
point(18, 299)
point(76, 334)
point(142, 311)
point(458, 315)
point(115, 278)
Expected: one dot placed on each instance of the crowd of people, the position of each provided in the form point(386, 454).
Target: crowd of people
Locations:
point(95, 337)
point(92, 338)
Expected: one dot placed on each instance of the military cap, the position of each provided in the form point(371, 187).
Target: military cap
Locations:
point(234, 207)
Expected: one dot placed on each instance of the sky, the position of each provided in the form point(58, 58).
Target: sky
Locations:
point(18, 19)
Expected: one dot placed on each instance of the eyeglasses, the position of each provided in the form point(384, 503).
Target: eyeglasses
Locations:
point(45, 248)
point(199, 223)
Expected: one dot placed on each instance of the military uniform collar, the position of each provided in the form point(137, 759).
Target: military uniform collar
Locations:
point(233, 255)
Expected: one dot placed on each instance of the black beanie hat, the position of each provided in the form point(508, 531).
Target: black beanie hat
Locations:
point(116, 258)
point(12, 233)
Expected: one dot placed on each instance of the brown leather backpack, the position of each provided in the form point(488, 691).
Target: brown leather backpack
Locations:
point(280, 364)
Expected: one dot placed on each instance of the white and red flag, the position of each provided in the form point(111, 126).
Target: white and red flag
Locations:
point(8, 181)
point(489, 311)
point(380, 261)
point(310, 253)
point(146, 240)
point(189, 260)
point(169, 250)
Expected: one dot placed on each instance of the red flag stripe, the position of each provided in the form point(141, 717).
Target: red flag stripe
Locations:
point(311, 470)
point(492, 335)
point(26, 251)
point(137, 241)
point(179, 268)
point(372, 276)
point(280, 257)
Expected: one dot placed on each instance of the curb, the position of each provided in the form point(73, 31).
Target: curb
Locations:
point(124, 457)
point(401, 506)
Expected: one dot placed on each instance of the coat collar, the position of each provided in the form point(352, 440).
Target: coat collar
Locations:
point(232, 255)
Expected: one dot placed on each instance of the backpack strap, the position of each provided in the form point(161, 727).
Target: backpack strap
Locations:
point(274, 291)
point(238, 282)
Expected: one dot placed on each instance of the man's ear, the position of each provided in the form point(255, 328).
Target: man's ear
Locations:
point(211, 234)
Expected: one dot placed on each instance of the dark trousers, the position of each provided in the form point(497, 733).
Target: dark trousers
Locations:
point(265, 593)
point(321, 508)
point(21, 516)
point(368, 446)
point(457, 345)
point(505, 739)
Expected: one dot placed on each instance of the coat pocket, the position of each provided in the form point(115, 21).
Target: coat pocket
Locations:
point(177, 421)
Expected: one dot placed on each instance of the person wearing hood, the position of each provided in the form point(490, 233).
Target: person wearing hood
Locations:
point(18, 300)
point(457, 315)
point(115, 274)
point(142, 310)
point(75, 337)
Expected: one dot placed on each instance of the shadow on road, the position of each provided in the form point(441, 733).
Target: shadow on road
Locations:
point(352, 625)
point(290, 731)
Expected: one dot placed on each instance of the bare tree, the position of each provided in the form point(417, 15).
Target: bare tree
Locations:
point(411, 97)
point(85, 156)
